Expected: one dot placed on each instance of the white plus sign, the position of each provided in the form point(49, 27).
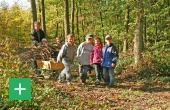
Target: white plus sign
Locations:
point(19, 89)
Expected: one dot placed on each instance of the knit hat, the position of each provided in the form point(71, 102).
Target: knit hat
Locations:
point(44, 39)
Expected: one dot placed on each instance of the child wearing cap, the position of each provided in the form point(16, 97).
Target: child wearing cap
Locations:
point(83, 55)
point(66, 55)
point(109, 59)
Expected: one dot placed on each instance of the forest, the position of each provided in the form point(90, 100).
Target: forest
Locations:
point(141, 33)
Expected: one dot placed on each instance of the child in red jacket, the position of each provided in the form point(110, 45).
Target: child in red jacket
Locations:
point(95, 59)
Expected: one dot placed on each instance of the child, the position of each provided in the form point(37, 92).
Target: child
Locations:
point(37, 34)
point(66, 55)
point(110, 56)
point(83, 55)
point(95, 58)
point(43, 52)
point(58, 42)
point(56, 47)
point(44, 42)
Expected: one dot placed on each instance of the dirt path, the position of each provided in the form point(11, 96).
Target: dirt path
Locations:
point(128, 93)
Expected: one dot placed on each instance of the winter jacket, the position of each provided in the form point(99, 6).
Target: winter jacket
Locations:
point(96, 54)
point(110, 55)
point(83, 53)
point(35, 35)
point(67, 53)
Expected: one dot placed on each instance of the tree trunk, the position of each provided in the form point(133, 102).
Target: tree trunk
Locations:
point(92, 18)
point(144, 30)
point(57, 27)
point(33, 13)
point(63, 31)
point(43, 16)
point(72, 17)
point(39, 9)
point(66, 17)
point(125, 43)
point(168, 5)
point(101, 19)
point(156, 30)
point(138, 39)
point(82, 22)
point(77, 22)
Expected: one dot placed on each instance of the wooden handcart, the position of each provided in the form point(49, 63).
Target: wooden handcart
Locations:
point(48, 67)
point(52, 65)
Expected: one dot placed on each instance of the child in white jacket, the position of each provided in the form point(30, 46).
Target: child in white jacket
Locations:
point(83, 55)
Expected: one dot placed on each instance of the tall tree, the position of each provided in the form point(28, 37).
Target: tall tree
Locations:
point(125, 43)
point(100, 4)
point(33, 12)
point(102, 25)
point(43, 16)
point(72, 17)
point(138, 39)
point(66, 17)
point(77, 22)
point(82, 21)
point(57, 24)
point(39, 10)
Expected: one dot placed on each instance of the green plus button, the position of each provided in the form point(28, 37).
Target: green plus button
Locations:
point(20, 88)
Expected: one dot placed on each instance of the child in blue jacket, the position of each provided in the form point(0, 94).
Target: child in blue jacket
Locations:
point(109, 59)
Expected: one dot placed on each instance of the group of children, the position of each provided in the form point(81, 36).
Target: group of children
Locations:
point(103, 58)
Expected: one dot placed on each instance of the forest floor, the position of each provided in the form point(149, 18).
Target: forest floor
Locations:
point(128, 93)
